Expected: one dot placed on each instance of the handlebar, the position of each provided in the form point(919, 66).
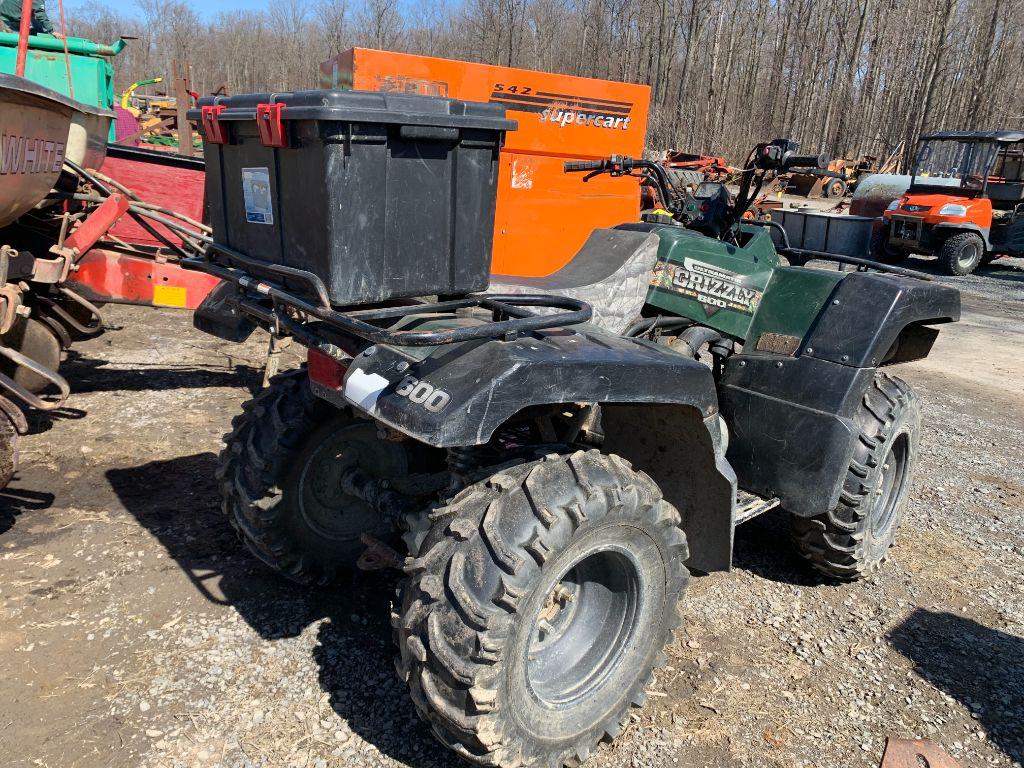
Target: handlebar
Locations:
point(575, 166)
point(806, 161)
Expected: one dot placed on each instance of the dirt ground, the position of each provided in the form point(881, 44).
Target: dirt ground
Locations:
point(135, 631)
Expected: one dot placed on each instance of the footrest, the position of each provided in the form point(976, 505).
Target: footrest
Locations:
point(749, 506)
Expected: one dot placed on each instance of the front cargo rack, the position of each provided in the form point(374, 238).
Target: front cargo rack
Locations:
point(511, 314)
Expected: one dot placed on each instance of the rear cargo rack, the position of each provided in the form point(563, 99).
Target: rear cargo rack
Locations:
point(511, 315)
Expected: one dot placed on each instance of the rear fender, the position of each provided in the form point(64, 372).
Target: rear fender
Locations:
point(458, 394)
point(659, 410)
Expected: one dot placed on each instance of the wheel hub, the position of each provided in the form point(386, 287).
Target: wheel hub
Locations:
point(583, 628)
point(968, 254)
point(555, 616)
point(323, 503)
point(888, 493)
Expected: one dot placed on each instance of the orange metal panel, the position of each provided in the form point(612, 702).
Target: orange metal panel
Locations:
point(543, 215)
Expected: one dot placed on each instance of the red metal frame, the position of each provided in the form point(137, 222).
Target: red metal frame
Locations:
point(268, 121)
point(121, 278)
point(98, 223)
point(24, 30)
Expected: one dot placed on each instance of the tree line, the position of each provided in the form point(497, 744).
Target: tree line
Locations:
point(845, 77)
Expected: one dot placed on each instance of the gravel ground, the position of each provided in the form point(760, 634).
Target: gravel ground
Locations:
point(134, 630)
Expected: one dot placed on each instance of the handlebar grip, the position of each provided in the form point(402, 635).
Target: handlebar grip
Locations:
point(572, 166)
point(807, 161)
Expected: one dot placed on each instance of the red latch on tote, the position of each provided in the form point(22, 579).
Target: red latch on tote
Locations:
point(268, 122)
point(215, 131)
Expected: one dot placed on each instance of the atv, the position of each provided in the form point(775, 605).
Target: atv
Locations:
point(965, 203)
point(546, 460)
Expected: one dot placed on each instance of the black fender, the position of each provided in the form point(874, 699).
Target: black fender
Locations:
point(868, 312)
point(791, 417)
point(458, 394)
point(791, 428)
point(660, 409)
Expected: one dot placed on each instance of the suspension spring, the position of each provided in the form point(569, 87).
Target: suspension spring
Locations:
point(462, 462)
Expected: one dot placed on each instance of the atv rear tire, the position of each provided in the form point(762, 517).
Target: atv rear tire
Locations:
point(853, 539)
point(279, 476)
point(537, 607)
point(962, 253)
point(880, 249)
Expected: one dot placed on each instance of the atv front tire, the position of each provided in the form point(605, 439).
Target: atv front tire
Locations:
point(853, 539)
point(962, 253)
point(280, 480)
point(537, 607)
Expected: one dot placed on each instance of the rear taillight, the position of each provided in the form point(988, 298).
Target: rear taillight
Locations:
point(325, 370)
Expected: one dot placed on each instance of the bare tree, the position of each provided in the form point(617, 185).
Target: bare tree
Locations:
point(844, 76)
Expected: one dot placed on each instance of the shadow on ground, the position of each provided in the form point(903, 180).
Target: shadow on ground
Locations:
point(89, 374)
point(354, 652)
point(14, 501)
point(979, 667)
point(763, 547)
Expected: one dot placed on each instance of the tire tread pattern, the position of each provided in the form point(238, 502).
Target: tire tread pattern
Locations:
point(484, 550)
point(833, 542)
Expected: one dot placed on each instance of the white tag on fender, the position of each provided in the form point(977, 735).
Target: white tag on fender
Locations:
point(362, 389)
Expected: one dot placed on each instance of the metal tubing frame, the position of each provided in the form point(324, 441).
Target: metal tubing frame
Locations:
point(358, 322)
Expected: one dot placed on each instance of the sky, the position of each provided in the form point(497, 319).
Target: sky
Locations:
point(206, 8)
point(212, 7)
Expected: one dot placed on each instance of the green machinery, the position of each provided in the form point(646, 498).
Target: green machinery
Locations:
point(741, 290)
point(92, 70)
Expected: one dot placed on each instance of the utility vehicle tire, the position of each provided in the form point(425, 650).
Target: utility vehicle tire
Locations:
point(880, 250)
point(279, 477)
point(34, 340)
point(537, 607)
point(962, 253)
point(853, 539)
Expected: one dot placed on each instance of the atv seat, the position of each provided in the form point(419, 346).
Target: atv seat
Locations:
point(611, 272)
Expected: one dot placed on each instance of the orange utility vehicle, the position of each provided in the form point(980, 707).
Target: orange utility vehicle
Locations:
point(543, 215)
point(965, 203)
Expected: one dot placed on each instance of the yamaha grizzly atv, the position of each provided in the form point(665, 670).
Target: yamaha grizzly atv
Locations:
point(552, 458)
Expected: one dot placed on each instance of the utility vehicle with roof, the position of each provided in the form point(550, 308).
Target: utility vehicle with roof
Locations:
point(965, 204)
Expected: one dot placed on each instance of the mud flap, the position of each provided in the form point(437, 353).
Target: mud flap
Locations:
point(685, 455)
